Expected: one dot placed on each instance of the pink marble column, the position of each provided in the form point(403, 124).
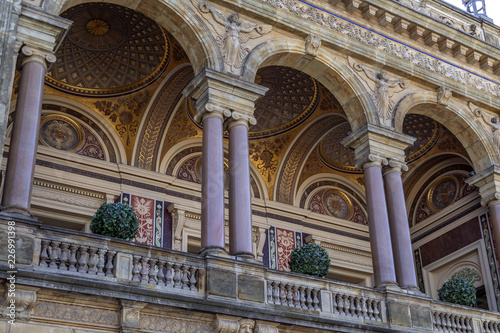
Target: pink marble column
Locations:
point(24, 140)
point(400, 230)
point(380, 238)
point(494, 207)
point(212, 184)
point(240, 206)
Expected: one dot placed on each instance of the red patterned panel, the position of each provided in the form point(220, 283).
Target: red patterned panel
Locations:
point(144, 208)
point(285, 240)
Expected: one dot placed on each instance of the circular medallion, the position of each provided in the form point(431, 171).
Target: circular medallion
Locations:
point(199, 168)
point(109, 50)
point(443, 193)
point(337, 204)
point(61, 132)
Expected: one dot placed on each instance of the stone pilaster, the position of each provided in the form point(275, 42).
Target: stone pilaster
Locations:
point(18, 301)
point(130, 316)
point(488, 182)
point(375, 147)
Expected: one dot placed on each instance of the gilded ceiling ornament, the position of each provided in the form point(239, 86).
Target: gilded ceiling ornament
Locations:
point(492, 122)
point(232, 34)
point(313, 43)
point(266, 152)
point(380, 92)
point(124, 113)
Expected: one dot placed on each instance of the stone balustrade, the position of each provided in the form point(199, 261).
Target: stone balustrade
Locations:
point(65, 260)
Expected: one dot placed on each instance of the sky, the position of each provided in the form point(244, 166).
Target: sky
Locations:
point(492, 8)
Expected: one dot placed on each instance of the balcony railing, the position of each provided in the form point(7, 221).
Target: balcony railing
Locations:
point(65, 255)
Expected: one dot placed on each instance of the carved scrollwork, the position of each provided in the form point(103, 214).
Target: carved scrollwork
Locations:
point(313, 43)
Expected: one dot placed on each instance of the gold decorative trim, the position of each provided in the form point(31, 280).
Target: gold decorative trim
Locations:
point(442, 194)
point(337, 204)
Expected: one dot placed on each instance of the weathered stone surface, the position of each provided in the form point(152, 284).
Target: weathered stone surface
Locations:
point(421, 317)
point(24, 242)
point(251, 289)
point(221, 282)
point(399, 314)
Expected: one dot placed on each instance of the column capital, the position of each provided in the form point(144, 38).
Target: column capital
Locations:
point(395, 166)
point(488, 182)
point(379, 145)
point(240, 118)
point(32, 54)
point(225, 93)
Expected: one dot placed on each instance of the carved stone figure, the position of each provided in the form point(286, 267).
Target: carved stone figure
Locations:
point(246, 326)
point(313, 44)
point(232, 34)
point(444, 95)
point(380, 95)
point(493, 123)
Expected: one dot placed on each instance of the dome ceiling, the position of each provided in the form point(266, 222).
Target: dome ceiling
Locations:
point(427, 132)
point(333, 153)
point(109, 50)
point(291, 98)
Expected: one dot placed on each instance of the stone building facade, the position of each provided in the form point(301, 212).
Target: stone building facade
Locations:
point(238, 131)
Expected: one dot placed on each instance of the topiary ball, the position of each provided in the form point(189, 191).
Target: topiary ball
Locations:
point(310, 259)
point(115, 220)
point(458, 291)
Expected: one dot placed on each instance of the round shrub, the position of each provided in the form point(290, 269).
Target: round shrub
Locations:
point(458, 291)
point(115, 220)
point(310, 259)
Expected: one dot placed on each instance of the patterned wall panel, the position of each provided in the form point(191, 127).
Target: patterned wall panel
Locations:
point(149, 212)
point(490, 251)
point(281, 243)
point(338, 204)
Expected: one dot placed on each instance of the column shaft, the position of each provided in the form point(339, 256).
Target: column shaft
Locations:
point(495, 225)
point(380, 239)
point(240, 207)
point(212, 184)
point(400, 230)
point(24, 139)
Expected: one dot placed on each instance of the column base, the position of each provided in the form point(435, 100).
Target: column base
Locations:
point(389, 286)
point(214, 252)
point(413, 290)
point(246, 257)
point(15, 212)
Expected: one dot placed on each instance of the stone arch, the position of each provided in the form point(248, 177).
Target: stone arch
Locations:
point(113, 142)
point(333, 73)
point(458, 120)
point(295, 156)
point(161, 108)
point(178, 18)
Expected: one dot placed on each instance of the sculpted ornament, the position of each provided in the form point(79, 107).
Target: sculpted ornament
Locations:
point(444, 95)
point(232, 34)
point(313, 44)
point(492, 122)
point(380, 92)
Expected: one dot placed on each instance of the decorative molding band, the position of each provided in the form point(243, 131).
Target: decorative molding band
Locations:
point(387, 44)
point(68, 189)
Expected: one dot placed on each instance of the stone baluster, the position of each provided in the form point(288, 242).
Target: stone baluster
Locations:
point(334, 303)
point(92, 262)
point(296, 296)
point(72, 257)
point(185, 278)
point(282, 287)
point(303, 304)
point(309, 299)
point(358, 311)
point(364, 309)
point(376, 311)
point(100, 262)
point(144, 271)
point(177, 276)
point(169, 277)
point(44, 254)
point(82, 259)
point(369, 303)
point(289, 295)
point(269, 292)
point(54, 254)
point(135, 270)
point(315, 300)
point(192, 278)
point(152, 271)
point(64, 257)
point(276, 292)
point(161, 274)
point(341, 304)
point(110, 255)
